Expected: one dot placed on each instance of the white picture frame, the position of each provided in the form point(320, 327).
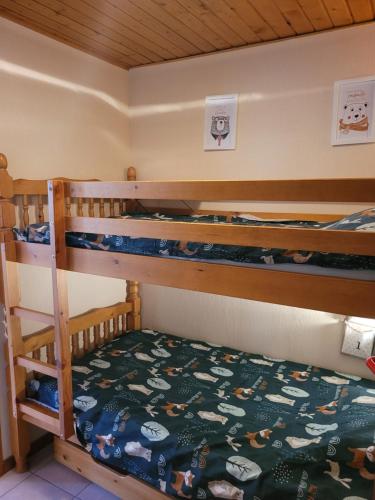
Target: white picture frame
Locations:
point(353, 120)
point(220, 122)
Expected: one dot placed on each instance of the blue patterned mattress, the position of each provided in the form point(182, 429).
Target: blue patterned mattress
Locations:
point(197, 420)
point(240, 255)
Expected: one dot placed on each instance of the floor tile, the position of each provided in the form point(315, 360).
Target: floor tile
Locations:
point(36, 488)
point(62, 477)
point(94, 492)
point(10, 480)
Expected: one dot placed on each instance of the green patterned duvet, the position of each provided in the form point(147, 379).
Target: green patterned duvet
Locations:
point(198, 420)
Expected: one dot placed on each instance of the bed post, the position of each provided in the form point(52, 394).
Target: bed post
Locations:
point(132, 287)
point(10, 297)
point(59, 264)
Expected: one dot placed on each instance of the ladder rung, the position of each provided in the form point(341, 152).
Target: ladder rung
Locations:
point(38, 366)
point(40, 416)
point(23, 312)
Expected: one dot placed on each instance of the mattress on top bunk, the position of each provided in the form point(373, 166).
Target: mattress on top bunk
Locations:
point(202, 421)
point(218, 253)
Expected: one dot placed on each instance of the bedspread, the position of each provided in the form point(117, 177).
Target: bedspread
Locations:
point(199, 420)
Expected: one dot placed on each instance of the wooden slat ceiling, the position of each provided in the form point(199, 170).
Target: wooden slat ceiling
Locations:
point(131, 33)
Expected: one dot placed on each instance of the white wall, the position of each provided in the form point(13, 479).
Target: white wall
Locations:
point(283, 132)
point(62, 113)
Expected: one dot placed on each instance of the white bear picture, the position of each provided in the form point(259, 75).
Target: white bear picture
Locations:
point(353, 119)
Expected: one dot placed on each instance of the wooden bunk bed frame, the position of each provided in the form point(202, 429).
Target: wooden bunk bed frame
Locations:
point(50, 350)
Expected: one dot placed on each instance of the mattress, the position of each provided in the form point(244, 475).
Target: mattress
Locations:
point(270, 258)
point(199, 420)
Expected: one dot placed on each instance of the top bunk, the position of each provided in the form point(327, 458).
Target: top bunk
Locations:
point(92, 207)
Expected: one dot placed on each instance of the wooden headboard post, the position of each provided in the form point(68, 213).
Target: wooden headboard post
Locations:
point(10, 297)
point(7, 210)
point(132, 287)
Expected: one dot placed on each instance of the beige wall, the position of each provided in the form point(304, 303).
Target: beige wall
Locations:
point(62, 113)
point(284, 126)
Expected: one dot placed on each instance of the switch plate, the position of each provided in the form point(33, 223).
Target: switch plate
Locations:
point(358, 340)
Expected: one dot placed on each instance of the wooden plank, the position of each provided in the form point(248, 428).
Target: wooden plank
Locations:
point(40, 209)
point(15, 7)
point(134, 53)
point(29, 253)
point(350, 297)
point(339, 241)
point(361, 10)
point(135, 38)
point(132, 296)
point(40, 416)
point(10, 297)
point(339, 12)
point(231, 17)
point(20, 437)
point(316, 190)
point(30, 186)
point(178, 10)
point(78, 460)
point(83, 321)
point(41, 28)
point(188, 275)
point(36, 365)
point(56, 196)
point(205, 14)
point(295, 16)
point(271, 14)
point(252, 18)
point(317, 14)
point(175, 24)
point(120, 9)
point(23, 312)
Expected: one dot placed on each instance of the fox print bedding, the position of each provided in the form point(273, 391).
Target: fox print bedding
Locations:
point(239, 255)
point(198, 420)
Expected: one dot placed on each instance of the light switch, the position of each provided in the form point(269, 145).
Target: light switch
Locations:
point(358, 339)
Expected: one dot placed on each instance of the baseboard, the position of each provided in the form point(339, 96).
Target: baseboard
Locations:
point(37, 445)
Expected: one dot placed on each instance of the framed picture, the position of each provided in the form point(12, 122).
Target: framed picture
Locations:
point(353, 111)
point(220, 122)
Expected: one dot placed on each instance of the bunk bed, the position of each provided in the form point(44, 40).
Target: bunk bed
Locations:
point(89, 363)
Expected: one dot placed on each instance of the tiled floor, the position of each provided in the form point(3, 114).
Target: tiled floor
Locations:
point(49, 480)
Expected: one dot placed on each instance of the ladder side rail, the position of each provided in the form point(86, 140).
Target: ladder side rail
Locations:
point(56, 207)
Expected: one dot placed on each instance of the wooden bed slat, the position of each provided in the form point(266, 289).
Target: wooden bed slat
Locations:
point(40, 416)
point(332, 294)
point(40, 209)
point(323, 293)
point(50, 352)
point(30, 314)
point(94, 317)
point(38, 366)
point(308, 190)
point(339, 241)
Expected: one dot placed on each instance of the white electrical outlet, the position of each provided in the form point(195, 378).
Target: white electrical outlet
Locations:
point(358, 339)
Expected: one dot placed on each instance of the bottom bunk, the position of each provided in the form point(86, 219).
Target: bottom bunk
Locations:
point(198, 420)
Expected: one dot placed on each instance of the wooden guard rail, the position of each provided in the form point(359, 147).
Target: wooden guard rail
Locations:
point(339, 241)
point(87, 331)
